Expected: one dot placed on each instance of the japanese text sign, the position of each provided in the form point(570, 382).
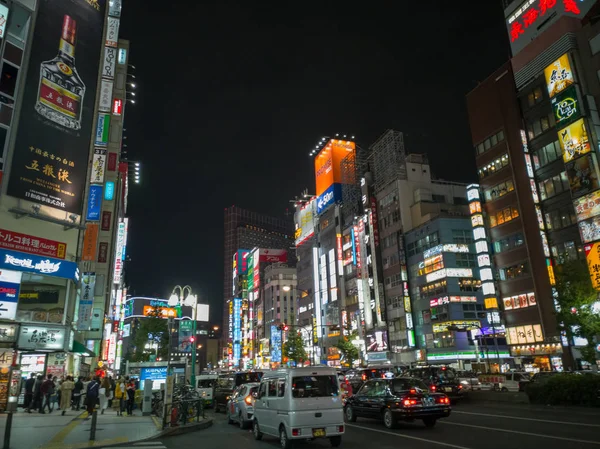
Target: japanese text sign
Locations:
point(38, 337)
point(592, 255)
point(94, 203)
point(30, 244)
point(32, 263)
point(559, 75)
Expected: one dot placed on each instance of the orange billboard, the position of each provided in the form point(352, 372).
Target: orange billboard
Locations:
point(90, 240)
point(166, 312)
point(328, 163)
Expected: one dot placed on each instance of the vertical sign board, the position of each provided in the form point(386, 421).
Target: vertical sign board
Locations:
point(94, 203)
point(50, 158)
point(275, 345)
point(119, 253)
point(237, 330)
point(10, 283)
point(98, 166)
point(185, 336)
point(90, 239)
point(86, 301)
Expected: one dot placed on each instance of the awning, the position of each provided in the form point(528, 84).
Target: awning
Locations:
point(81, 349)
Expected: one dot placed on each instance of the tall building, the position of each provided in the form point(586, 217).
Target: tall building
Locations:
point(246, 229)
point(536, 153)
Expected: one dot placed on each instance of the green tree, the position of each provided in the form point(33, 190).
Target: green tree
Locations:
point(348, 349)
point(576, 297)
point(152, 329)
point(293, 348)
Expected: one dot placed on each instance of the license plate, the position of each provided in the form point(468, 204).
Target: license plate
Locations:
point(318, 433)
point(428, 401)
point(448, 389)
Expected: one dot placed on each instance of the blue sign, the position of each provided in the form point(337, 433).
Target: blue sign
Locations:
point(353, 237)
point(330, 196)
point(109, 191)
point(154, 374)
point(275, 345)
point(94, 204)
point(237, 330)
point(31, 263)
point(9, 296)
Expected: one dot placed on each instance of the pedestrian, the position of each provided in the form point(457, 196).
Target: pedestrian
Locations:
point(120, 392)
point(37, 393)
point(55, 397)
point(66, 391)
point(91, 396)
point(113, 386)
point(47, 389)
point(29, 384)
point(77, 394)
point(130, 388)
point(104, 394)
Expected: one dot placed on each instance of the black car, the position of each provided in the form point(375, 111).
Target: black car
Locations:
point(399, 399)
point(440, 379)
point(357, 377)
point(226, 383)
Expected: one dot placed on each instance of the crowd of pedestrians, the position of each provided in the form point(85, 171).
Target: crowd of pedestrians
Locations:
point(84, 393)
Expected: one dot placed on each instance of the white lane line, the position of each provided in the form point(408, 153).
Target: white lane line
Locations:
point(401, 435)
point(521, 433)
point(528, 419)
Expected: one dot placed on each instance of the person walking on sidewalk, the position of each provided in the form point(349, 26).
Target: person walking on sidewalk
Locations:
point(113, 386)
point(29, 384)
point(91, 396)
point(130, 396)
point(77, 394)
point(104, 393)
point(47, 389)
point(120, 392)
point(66, 391)
point(37, 393)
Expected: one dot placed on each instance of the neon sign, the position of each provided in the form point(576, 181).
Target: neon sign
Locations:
point(528, 16)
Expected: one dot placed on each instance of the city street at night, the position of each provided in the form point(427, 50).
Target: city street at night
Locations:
point(471, 426)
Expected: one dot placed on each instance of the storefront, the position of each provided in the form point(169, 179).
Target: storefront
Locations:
point(538, 357)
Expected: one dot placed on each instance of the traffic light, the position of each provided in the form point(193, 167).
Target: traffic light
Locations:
point(192, 339)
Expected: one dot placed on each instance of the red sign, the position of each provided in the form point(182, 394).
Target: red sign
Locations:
point(357, 231)
point(106, 219)
point(538, 12)
point(30, 244)
point(117, 106)
point(272, 255)
point(375, 221)
point(112, 161)
point(339, 247)
point(102, 252)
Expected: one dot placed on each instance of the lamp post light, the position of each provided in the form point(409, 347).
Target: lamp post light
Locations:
point(178, 297)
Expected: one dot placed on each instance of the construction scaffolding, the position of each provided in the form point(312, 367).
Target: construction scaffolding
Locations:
point(388, 159)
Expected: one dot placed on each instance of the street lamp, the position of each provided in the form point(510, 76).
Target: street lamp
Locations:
point(178, 297)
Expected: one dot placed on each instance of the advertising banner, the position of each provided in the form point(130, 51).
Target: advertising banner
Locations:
point(98, 166)
point(566, 107)
point(237, 329)
point(112, 32)
point(305, 222)
point(574, 140)
point(590, 229)
point(102, 128)
point(559, 75)
point(112, 161)
point(185, 335)
point(29, 244)
point(106, 220)
point(86, 301)
point(109, 191)
point(592, 255)
point(275, 345)
point(119, 253)
point(39, 336)
point(587, 206)
point(31, 263)
point(272, 255)
point(51, 149)
point(328, 170)
point(331, 195)
point(10, 283)
point(90, 239)
point(110, 60)
point(102, 252)
point(94, 203)
point(583, 175)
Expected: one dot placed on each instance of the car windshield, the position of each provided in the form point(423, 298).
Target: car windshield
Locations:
point(445, 374)
point(206, 383)
point(405, 384)
point(246, 378)
point(314, 386)
point(226, 382)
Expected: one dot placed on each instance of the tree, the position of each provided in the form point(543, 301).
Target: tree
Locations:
point(293, 348)
point(152, 329)
point(576, 299)
point(348, 349)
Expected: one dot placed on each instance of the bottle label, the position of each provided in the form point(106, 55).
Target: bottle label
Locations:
point(67, 48)
point(59, 99)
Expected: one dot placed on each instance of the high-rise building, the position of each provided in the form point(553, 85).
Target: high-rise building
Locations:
point(535, 126)
point(246, 229)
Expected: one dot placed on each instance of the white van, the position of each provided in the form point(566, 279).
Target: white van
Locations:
point(299, 404)
point(205, 386)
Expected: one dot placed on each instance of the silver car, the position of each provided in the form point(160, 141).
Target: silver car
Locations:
point(240, 407)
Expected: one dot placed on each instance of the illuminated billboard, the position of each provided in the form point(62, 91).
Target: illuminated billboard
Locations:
point(587, 206)
point(559, 75)
point(305, 222)
point(592, 255)
point(574, 141)
point(328, 169)
point(240, 261)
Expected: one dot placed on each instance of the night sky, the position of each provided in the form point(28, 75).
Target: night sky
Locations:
point(232, 97)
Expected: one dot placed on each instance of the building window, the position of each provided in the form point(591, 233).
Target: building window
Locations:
point(493, 166)
point(489, 143)
point(547, 154)
point(539, 125)
point(514, 271)
point(535, 96)
point(438, 198)
point(395, 302)
point(389, 241)
point(504, 216)
point(462, 236)
point(434, 288)
point(472, 310)
point(422, 244)
point(554, 185)
point(465, 260)
point(508, 243)
point(499, 190)
point(388, 199)
point(469, 285)
point(564, 252)
point(560, 218)
point(393, 281)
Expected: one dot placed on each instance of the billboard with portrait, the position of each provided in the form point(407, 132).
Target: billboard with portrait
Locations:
point(328, 162)
point(55, 127)
point(583, 175)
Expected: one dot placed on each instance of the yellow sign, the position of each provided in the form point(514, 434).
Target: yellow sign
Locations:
point(559, 75)
point(550, 272)
point(574, 140)
point(491, 303)
point(463, 324)
point(592, 255)
point(166, 312)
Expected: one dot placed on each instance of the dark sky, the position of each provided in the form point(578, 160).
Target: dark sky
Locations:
point(232, 97)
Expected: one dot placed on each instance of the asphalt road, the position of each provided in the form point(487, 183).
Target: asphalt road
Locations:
point(471, 426)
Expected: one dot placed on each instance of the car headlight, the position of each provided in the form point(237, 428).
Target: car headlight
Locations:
point(464, 382)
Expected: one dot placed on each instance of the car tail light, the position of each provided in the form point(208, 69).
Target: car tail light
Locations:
point(408, 402)
point(248, 400)
point(460, 387)
point(443, 400)
point(364, 377)
point(295, 432)
point(341, 429)
point(432, 388)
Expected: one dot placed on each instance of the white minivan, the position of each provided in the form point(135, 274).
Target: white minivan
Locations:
point(299, 404)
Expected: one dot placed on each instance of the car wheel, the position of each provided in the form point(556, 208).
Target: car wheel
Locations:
point(284, 441)
point(350, 416)
point(229, 420)
point(389, 420)
point(429, 422)
point(504, 390)
point(256, 431)
point(242, 422)
point(335, 441)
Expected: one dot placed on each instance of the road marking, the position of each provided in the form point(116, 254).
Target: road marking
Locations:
point(521, 433)
point(401, 435)
point(528, 419)
point(59, 438)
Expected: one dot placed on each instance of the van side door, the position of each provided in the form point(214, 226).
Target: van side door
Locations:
point(260, 406)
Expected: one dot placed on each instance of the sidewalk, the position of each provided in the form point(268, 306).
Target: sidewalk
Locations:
point(72, 431)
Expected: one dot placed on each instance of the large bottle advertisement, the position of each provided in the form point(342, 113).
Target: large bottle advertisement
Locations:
point(50, 160)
